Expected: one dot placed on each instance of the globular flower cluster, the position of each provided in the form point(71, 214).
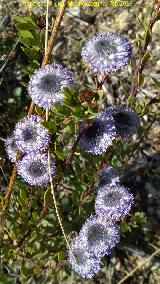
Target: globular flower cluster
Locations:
point(112, 122)
point(107, 52)
point(46, 84)
point(31, 138)
point(100, 233)
point(113, 201)
point(99, 135)
point(30, 135)
point(34, 168)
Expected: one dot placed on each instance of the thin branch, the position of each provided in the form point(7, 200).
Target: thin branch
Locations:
point(31, 109)
point(54, 32)
point(143, 52)
point(55, 203)
point(70, 155)
point(51, 42)
point(139, 266)
point(9, 56)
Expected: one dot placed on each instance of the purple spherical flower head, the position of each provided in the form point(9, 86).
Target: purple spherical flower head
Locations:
point(99, 236)
point(99, 135)
point(46, 84)
point(107, 175)
point(30, 135)
point(34, 168)
point(125, 119)
point(107, 52)
point(11, 148)
point(113, 201)
point(81, 261)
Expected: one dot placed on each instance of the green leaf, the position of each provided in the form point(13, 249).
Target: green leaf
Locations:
point(37, 271)
point(60, 155)
point(30, 52)
point(25, 271)
point(124, 88)
point(133, 63)
point(25, 23)
point(77, 111)
point(21, 201)
point(138, 108)
point(143, 25)
point(132, 100)
point(31, 20)
point(65, 201)
point(52, 127)
point(29, 42)
point(24, 26)
point(157, 16)
point(156, 82)
point(20, 19)
point(61, 256)
point(146, 58)
point(39, 110)
point(26, 33)
point(140, 80)
point(17, 92)
point(23, 194)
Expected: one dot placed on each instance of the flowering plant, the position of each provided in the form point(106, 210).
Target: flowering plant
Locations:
point(70, 152)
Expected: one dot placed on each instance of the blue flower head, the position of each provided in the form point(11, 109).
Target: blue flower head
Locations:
point(34, 168)
point(99, 236)
point(30, 135)
point(99, 135)
point(107, 52)
point(81, 260)
point(113, 201)
point(47, 83)
point(125, 119)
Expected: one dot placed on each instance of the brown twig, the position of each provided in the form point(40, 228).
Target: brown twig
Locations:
point(51, 42)
point(31, 108)
point(70, 155)
point(147, 40)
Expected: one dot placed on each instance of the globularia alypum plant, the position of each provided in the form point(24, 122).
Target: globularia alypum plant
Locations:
point(69, 147)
